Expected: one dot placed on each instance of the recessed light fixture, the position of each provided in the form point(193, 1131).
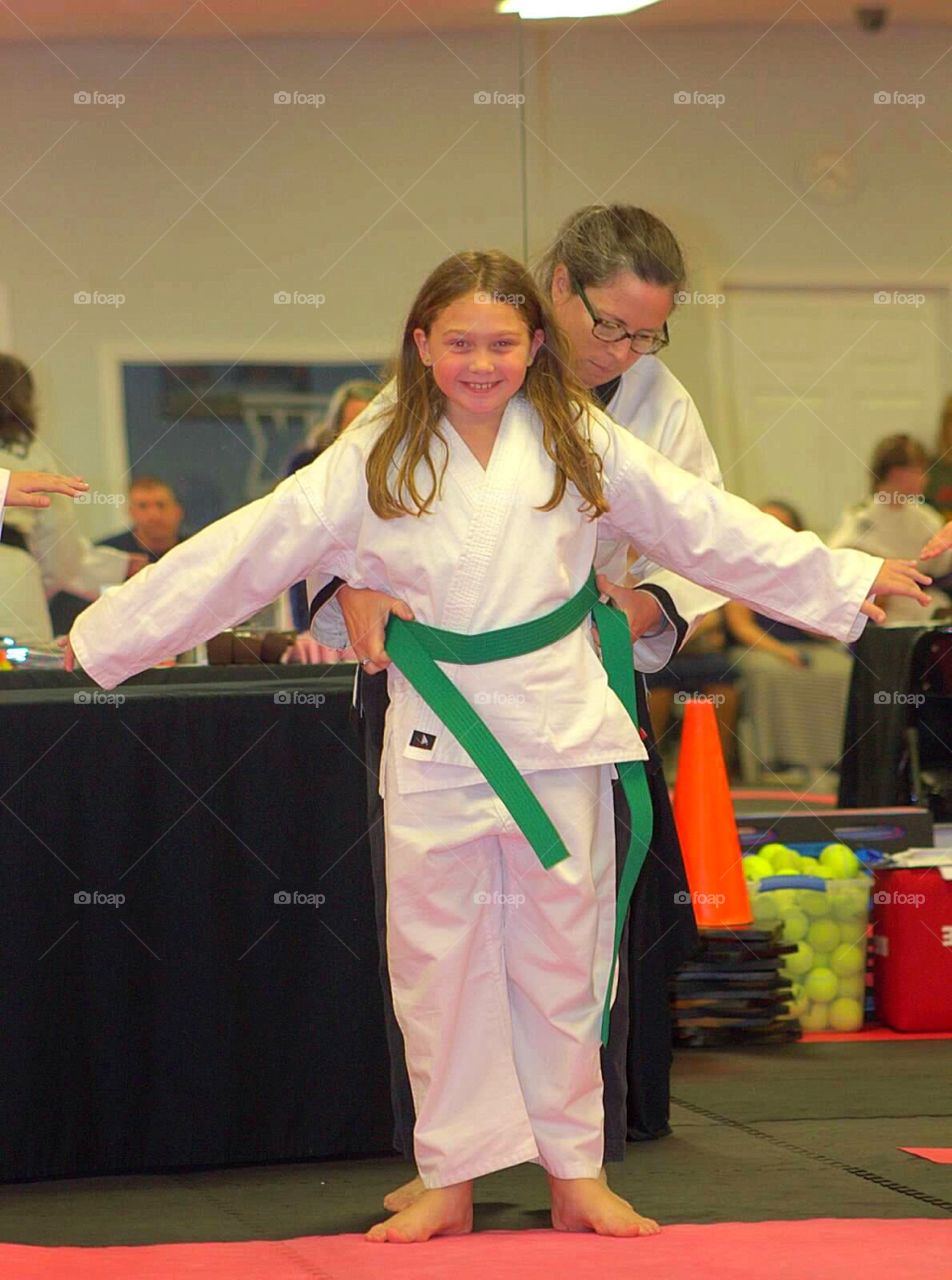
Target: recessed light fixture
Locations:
point(571, 8)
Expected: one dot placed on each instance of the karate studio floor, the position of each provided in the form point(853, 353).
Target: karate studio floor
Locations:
point(784, 1162)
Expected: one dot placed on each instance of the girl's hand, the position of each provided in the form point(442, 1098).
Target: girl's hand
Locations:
point(366, 613)
point(639, 607)
point(29, 488)
point(938, 543)
point(896, 578)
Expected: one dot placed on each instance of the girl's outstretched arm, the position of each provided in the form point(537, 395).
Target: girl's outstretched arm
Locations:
point(228, 571)
point(724, 543)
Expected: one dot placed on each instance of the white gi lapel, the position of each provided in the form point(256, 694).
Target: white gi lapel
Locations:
point(488, 496)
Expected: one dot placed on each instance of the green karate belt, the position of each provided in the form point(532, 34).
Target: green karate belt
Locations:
point(416, 649)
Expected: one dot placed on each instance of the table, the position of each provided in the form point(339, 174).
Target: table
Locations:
point(188, 948)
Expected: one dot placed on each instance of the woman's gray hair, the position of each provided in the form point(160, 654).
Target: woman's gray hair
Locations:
point(328, 429)
point(599, 242)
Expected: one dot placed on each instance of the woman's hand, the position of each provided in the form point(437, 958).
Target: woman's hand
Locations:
point(29, 488)
point(366, 613)
point(641, 608)
point(896, 578)
point(939, 542)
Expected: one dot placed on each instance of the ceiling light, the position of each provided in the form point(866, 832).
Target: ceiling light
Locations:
point(570, 8)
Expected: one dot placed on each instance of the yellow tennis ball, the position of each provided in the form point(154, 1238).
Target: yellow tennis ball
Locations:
point(848, 960)
point(756, 868)
point(786, 899)
point(800, 961)
point(853, 932)
point(849, 898)
point(846, 1014)
point(765, 908)
point(852, 986)
point(841, 860)
point(815, 902)
point(771, 851)
point(798, 999)
point(814, 1017)
point(820, 985)
point(824, 935)
point(795, 925)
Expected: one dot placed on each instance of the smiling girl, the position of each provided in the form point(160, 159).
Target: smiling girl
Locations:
point(477, 498)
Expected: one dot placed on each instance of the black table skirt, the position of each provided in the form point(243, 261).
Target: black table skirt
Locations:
point(871, 770)
point(201, 1020)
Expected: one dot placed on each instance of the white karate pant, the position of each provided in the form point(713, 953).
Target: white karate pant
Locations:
point(499, 970)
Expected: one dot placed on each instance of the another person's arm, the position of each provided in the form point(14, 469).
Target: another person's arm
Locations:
point(69, 562)
point(748, 632)
point(31, 488)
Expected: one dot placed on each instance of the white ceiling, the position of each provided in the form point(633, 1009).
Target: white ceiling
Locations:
point(199, 19)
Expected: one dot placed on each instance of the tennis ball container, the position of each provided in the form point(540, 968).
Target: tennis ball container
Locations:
point(827, 920)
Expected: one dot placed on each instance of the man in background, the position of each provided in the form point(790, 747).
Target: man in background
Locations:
point(155, 516)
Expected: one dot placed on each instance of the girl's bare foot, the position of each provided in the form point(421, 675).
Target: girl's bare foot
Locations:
point(439, 1211)
point(588, 1204)
point(404, 1196)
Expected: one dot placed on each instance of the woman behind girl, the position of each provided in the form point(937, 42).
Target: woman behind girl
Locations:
point(477, 499)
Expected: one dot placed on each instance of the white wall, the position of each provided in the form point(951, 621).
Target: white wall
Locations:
point(313, 209)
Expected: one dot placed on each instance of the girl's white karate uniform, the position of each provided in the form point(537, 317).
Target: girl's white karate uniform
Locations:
point(59, 558)
point(498, 967)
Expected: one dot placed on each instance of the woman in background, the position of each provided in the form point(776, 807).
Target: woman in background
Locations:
point(795, 683)
point(41, 548)
point(350, 399)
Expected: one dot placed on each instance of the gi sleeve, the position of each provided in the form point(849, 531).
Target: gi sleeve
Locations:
point(725, 544)
point(684, 441)
point(228, 571)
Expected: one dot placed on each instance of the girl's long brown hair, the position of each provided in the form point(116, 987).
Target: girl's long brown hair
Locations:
point(405, 444)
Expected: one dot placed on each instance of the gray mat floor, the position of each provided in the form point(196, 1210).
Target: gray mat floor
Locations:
point(794, 1131)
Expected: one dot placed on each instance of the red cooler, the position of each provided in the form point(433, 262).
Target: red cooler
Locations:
point(912, 941)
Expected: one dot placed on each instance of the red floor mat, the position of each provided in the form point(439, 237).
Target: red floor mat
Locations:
point(821, 1249)
point(871, 1033)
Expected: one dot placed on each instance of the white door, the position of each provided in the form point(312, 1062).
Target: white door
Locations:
point(813, 378)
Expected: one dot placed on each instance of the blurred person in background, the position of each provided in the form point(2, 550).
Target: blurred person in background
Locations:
point(701, 666)
point(939, 475)
point(794, 683)
point(895, 521)
point(41, 548)
point(155, 518)
point(350, 399)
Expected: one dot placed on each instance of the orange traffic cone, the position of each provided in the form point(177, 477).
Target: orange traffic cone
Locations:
point(706, 825)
